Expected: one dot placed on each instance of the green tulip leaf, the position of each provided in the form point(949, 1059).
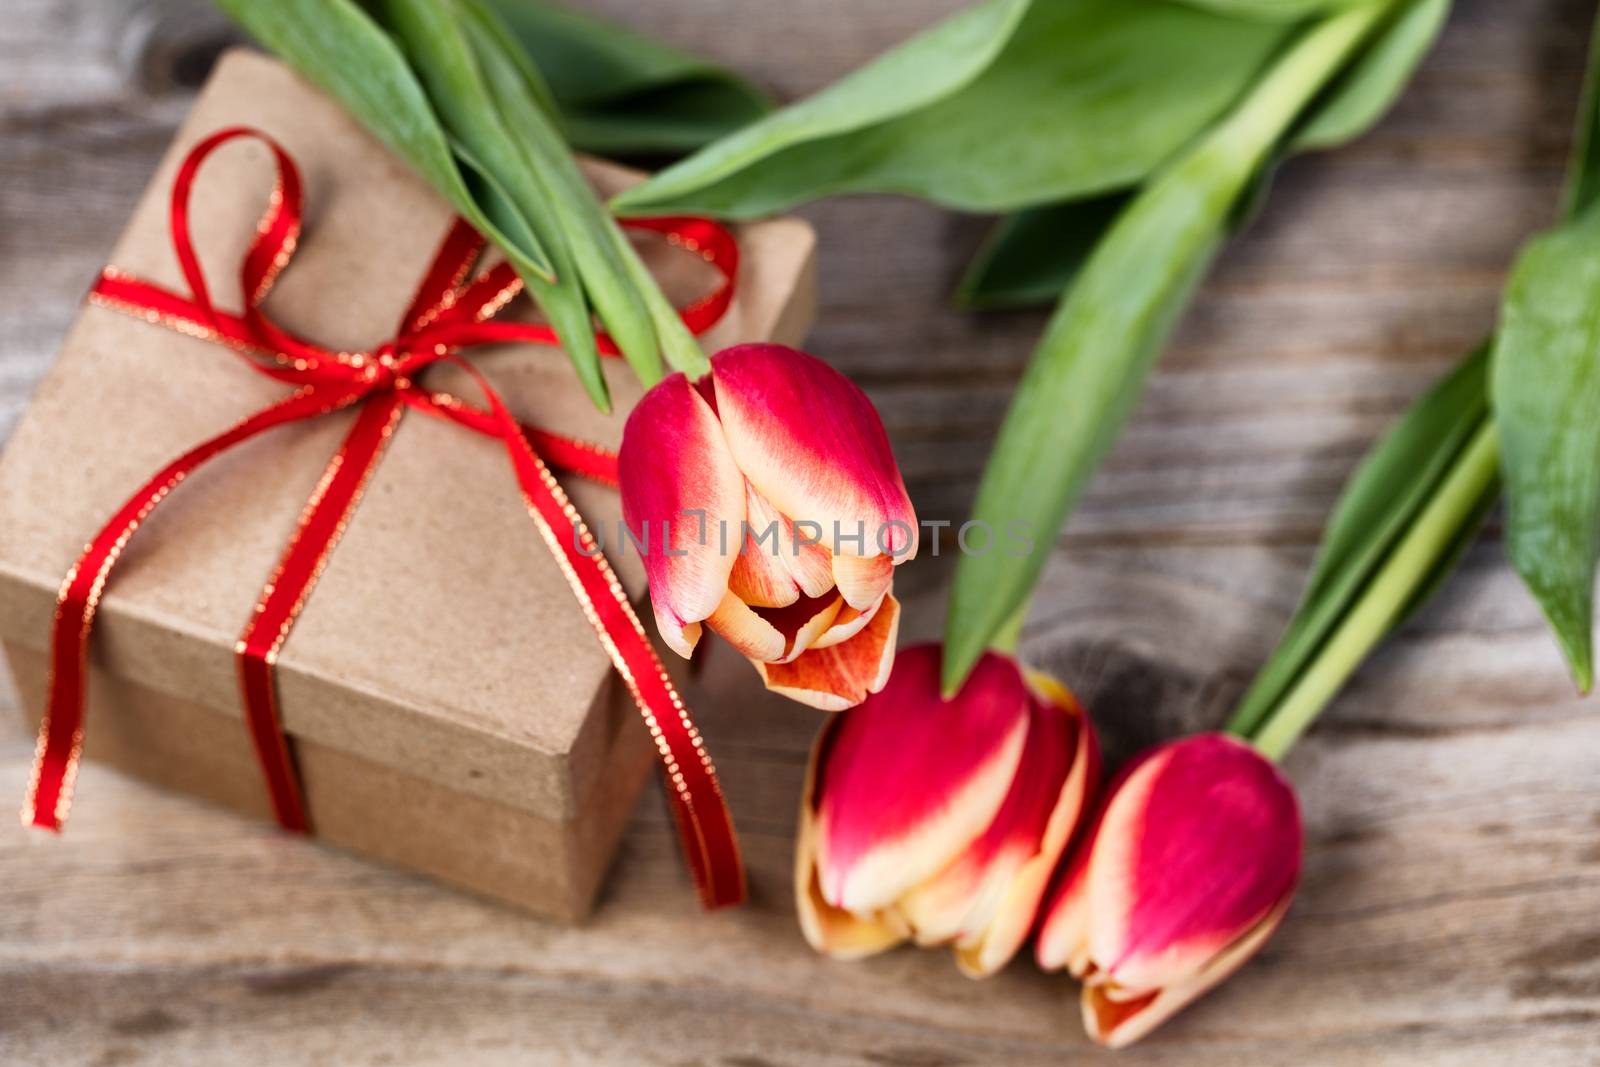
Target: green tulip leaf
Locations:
point(1395, 476)
point(621, 94)
point(1417, 502)
point(1428, 544)
point(1366, 91)
point(665, 124)
point(1545, 375)
point(433, 34)
point(1033, 255)
point(1583, 169)
point(1379, 504)
point(1006, 104)
point(1089, 368)
point(1546, 395)
point(570, 203)
point(1274, 10)
point(1081, 385)
point(920, 72)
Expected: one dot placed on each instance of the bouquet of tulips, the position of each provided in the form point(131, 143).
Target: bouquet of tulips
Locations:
point(957, 798)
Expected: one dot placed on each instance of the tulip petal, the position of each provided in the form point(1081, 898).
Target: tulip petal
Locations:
point(1116, 1019)
point(911, 780)
point(863, 580)
point(986, 901)
point(814, 445)
point(805, 622)
point(1014, 917)
point(1063, 939)
point(830, 930)
point(847, 624)
point(960, 900)
point(809, 562)
point(746, 629)
point(841, 675)
point(759, 576)
point(1199, 843)
point(774, 635)
point(679, 636)
point(679, 485)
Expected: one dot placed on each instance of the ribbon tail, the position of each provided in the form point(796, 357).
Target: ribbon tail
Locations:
point(705, 826)
point(317, 533)
point(55, 764)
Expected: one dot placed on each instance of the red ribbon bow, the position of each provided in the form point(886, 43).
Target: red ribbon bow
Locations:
point(448, 313)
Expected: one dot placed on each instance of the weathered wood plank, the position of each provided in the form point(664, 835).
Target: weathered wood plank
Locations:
point(1452, 795)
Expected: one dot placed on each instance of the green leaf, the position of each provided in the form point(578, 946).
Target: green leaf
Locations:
point(1418, 500)
point(1089, 368)
point(337, 46)
point(433, 37)
point(1378, 506)
point(1544, 373)
point(619, 93)
point(1583, 169)
point(1034, 255)
point(1274, 10)
point(665, 124)
point(920, 72)
point(1080, 386)
point(1428, 545)
point(571, 204)
point(1397, 474)
point(1004, 105)
point(1546, 395)
point(1367, 90)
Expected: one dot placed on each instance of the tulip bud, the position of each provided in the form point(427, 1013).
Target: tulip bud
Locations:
point(941, 820)
point(1189, 869)
point(778, 515)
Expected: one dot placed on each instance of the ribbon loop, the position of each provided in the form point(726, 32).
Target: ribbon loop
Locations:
point(447, 313)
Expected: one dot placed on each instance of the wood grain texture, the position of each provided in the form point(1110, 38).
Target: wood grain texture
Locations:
point(1449, 909)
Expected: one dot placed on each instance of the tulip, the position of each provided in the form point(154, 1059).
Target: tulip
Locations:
point(937, 820)
point(779, 516)
point(1190, 868)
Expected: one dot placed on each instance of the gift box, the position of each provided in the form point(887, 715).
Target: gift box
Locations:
point(445, 700)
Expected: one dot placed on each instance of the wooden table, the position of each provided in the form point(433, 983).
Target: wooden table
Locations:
point(1450, 912)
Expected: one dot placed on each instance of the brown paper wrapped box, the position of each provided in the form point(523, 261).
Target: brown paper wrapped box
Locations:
point(450, 709)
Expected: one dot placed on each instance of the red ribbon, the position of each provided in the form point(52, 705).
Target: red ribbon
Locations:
point(448, 313)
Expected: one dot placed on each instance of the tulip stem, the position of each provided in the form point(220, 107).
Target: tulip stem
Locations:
point(1393, 591)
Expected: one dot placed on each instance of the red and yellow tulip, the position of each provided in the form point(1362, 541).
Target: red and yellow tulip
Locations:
point(778, 515)
point(1189, 869)
point(941, 821)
